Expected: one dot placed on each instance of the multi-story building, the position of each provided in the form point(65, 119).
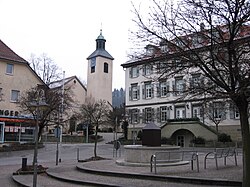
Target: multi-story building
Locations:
point(16, 76)
point(181, 116)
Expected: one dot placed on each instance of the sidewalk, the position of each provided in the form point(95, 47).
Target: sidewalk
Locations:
point(107, 173)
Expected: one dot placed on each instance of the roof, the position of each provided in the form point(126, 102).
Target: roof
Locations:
point(7, 54)
point(102, 53)
point(173, 49)
point(59, 83)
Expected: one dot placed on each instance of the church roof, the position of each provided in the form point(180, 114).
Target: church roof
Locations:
point(7, 54)
point(100, 52)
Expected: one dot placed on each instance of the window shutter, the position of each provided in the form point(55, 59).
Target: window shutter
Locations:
point(138, 92)
point(130, 93)
point(184, 87)
point(144, 70)
point(158, 114)
point(232, 111)
point(173, 87)
point(130, 72)
point(130, 115)
point(168, 89)
point(143, 116)
point(158, 91)
point(152, 114)
point(143, 91)
point(152, 89)
point(137, 71)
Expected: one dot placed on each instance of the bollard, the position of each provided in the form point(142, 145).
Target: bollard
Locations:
point(77, 154)
point(24, 164)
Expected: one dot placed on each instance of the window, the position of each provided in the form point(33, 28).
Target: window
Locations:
point(234, 112)
point(135, 115)
point(196, 82)
point(147, 90)
point(180, 112)
point(179, 86)
point(147, 69)
point(217, 110)
point(15, 95)
point(197, 111)
point(134, 72)
point(134, 92)
point(164, 89)
point(10, 69)
point(93, 69)
point(164, 114)
point(106, 67)
point(148, 115)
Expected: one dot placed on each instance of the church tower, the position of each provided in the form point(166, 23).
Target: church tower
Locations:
point(100, 70)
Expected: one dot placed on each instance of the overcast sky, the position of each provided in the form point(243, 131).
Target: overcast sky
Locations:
point(66, 31)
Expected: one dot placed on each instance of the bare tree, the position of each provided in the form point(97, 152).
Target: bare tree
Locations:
point(210, 36)
point(97, 113)
point(46, 68)
point(215, 111)
point(53, 98)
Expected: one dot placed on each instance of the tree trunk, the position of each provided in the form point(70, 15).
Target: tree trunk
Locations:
point(96, 132)
point(242, 105)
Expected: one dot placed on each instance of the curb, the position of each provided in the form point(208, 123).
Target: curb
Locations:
point(190, 180)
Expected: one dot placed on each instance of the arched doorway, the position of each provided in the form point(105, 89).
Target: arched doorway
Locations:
point(182, 137)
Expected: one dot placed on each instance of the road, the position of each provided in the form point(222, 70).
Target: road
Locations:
point(11, 161)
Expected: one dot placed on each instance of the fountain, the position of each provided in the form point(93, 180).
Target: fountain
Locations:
point(139, 155)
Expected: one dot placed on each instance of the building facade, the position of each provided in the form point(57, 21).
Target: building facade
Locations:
point(16, 76)
point(164, 101)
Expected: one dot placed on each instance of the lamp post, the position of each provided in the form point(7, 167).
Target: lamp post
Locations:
point(36, 106)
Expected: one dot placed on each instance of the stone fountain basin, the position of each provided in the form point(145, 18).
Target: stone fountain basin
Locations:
point(142, 154)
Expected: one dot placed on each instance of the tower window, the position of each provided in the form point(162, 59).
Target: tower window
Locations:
point(92, 64)
point(106, 67)
point(92, 69)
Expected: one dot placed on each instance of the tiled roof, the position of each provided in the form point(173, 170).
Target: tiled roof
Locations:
point(7, 54)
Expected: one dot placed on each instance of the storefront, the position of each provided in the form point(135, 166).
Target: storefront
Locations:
point(16, 129)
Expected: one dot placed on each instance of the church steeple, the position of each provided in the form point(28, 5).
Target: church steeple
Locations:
point(100, 41)
point(100, 48)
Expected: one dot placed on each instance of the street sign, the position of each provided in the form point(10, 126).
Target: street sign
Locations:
point(57, 132)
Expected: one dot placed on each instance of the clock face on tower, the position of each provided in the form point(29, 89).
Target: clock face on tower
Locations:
point(93, 62)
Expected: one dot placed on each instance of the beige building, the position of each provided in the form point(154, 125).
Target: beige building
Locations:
point(79, 93)
point(16, 76)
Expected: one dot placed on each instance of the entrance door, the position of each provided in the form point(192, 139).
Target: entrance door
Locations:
point(1, 132)
point(181, 141)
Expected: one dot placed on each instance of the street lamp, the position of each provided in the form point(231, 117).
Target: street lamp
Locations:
point(37, 106)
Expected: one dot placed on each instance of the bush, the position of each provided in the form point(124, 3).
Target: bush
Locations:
point(223, 137)
point(198, 140)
